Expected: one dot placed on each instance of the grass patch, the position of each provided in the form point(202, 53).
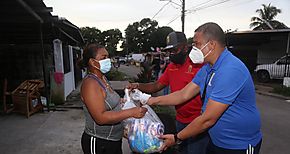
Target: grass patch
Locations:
point(285, 91)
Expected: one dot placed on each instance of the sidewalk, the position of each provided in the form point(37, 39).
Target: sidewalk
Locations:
point(266, 90)
point(57, 132)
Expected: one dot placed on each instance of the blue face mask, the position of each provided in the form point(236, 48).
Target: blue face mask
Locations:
point(105, 65)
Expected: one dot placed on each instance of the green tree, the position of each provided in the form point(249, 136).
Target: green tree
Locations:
point(111, 39)
point(158, 38)
point(92, 35)
point(138, 35)
point(266, 18)
point(132, 38)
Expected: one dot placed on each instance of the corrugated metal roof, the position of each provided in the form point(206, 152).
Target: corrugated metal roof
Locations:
point(20, 23)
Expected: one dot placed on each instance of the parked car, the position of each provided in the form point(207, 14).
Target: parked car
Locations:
point(276, 70)
point(138, 57)
point(124, 60)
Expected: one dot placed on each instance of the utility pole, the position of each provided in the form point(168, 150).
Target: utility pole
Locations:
point(183, 15)
point(182, 11)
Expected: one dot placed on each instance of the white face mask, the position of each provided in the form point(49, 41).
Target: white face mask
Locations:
point(105, 65)
point(196, 55)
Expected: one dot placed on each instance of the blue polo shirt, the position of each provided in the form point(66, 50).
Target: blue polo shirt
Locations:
point(229, 82)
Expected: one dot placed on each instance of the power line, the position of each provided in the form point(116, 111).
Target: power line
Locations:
point(182, 11)
point(160, 10)
point(173, 19)
point(207, 6)
point(175, 7)
point(199, 8)
point(241, 3)
point(200, 4)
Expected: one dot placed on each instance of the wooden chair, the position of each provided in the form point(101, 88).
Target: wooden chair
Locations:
point(6, 107)
point(24, 96)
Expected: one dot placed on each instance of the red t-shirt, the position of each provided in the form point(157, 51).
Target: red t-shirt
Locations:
point(178, 76)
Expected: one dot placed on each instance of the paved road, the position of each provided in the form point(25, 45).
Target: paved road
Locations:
point(275, 114)
point(131, 70)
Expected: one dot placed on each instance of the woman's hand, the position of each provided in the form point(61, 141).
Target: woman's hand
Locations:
point(138, 112)
point(126, 129)
point(122, 101)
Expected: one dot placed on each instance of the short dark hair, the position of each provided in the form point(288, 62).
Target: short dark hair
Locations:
point(89, 52)
point(212, 31)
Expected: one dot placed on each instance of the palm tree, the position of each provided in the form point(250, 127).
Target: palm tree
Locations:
point(266, 18)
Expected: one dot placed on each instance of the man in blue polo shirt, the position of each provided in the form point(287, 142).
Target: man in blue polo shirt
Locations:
point(229, 107)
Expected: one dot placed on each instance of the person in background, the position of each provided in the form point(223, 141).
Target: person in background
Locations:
point(163, 65)
point(147, 66)
point(102, 105)
point(156, 66)
point(177, 75)
point(229, 111)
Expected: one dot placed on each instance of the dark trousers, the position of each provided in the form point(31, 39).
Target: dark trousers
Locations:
point(212, 149)
point(93, 145)
point(196, 145)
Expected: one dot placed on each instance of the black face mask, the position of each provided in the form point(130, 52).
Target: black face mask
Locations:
point(178, 58)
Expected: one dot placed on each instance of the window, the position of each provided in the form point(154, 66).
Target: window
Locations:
point(283, 60)
point(66, 59)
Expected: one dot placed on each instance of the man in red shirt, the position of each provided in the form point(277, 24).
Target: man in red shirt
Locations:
point(177, 75)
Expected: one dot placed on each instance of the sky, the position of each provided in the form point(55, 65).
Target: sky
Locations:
point(111, 14)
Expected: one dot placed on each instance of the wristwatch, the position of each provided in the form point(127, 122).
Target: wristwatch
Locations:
point(177, 140)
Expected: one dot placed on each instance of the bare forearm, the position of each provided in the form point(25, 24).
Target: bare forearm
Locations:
point(178, 97)
point(171, 99)
point(149, 87)
point(197, 126)
point(212, 113)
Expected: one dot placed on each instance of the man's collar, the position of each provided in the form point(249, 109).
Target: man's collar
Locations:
point(217, 64)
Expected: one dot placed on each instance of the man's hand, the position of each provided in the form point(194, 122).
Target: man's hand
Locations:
point(152, 101)
point(168, 141)
point(139, 96)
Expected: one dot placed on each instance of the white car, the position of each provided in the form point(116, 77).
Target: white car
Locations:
point(277, 70)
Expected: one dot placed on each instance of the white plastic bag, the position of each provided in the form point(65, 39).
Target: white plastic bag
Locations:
point(143, 133)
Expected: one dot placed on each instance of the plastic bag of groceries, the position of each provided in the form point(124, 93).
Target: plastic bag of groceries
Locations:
point(142, 133)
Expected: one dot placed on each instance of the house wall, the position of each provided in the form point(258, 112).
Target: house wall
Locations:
point(247, 54)
point(69, 80)
point(64, 80)
point(23, 62)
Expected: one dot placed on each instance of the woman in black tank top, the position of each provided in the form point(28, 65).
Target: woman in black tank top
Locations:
point(103, 129)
